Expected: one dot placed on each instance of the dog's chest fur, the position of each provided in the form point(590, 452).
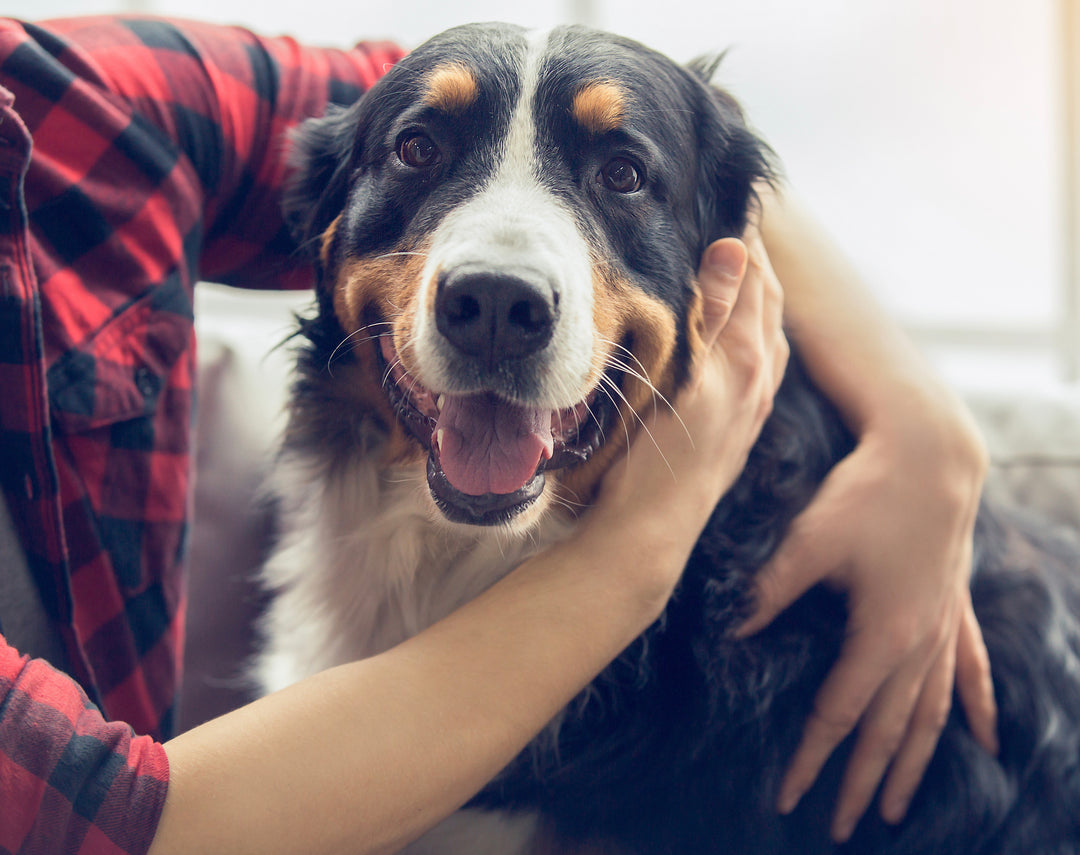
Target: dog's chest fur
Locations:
point(364, 563)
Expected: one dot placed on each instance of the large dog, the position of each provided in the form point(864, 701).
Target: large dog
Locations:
point(506, 231)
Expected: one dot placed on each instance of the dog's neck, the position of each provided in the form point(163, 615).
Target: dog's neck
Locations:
point(389, 565)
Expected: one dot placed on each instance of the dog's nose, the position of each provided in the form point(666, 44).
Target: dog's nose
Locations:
point(495, 315)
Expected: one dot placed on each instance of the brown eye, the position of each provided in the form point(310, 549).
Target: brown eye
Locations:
point(620, 174)
point(418, 151)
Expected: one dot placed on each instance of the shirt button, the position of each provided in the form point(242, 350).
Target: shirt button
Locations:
point(146, 382)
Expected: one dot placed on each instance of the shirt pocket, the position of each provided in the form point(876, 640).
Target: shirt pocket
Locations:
point(121, 372)
point(121, 407)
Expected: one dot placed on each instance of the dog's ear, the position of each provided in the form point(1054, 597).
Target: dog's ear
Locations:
point(734, 160)
point(321, 157)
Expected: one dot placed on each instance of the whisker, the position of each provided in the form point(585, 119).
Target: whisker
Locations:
point(354, 344)
point(604, 387)
point(625, 350)
point(562, 503)
point(641, 422)
point(562, 498)
point(613, 361)
point(389, 371)
point(401, 252)
point(415, 382)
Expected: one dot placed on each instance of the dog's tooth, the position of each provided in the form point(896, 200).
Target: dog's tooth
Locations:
point(440, 402)
point(439, 438)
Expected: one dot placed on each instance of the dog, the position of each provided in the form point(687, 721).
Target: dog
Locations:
point(506, 230)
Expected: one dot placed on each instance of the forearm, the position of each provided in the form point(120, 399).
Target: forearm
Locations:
point(855, 352)
point(891, 525)
point(366, 756)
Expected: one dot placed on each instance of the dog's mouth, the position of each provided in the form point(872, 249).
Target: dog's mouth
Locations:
point(486, 455)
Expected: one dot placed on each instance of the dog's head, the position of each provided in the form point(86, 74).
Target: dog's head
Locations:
point(508, 229)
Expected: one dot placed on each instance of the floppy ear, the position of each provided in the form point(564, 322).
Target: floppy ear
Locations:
point(733, 160)
point(322, 156)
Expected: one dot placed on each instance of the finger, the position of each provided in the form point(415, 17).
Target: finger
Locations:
point(902, 725)
point(923, 733)
point(799, 563)
point(846, 693)
point(720, 277)
point(780, 349)
point(781, 352)
point(754, 309)
point(882, 733)
point(974, 681)
point(770, 294)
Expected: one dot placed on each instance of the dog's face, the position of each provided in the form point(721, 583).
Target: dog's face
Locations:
point(509, 228)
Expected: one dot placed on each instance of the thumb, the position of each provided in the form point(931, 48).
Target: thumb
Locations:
point(720, 277)
point(801, 561)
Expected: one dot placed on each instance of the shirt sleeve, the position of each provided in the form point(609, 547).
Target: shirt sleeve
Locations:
point(70, 781)
point(227, 98)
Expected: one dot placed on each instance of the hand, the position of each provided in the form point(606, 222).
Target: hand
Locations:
point(688, 458)
point(892, 525)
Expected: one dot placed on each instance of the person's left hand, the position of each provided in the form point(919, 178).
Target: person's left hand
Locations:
point(892, 525)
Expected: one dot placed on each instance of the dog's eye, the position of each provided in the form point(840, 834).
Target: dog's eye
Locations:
point(418, 151)
point(620, 174)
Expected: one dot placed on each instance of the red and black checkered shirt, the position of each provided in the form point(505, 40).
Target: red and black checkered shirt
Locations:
point(136, 156)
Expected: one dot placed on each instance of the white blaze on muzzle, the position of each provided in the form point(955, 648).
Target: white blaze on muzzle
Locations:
point(506, 337)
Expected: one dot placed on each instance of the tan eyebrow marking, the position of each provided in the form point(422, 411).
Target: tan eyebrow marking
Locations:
point(452, 88)
point(599, 107)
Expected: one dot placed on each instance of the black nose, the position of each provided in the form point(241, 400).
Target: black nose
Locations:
point(495, 316)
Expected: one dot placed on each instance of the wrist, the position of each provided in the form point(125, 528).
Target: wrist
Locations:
point(639, 550)
point(927, 429)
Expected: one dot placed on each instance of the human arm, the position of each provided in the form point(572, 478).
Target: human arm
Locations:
point(204, 112)
point(370, 754)
point(912, 485)
point(71, 781)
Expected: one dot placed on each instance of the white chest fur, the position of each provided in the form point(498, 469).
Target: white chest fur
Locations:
point(366, 561)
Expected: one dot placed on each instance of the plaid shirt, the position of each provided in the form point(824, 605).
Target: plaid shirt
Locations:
point(157, 159)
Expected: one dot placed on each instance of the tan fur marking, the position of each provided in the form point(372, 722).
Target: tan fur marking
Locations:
point(387, 284)
point(696, 325)
point(452, 88)
point(622, 311)
point(327, 241)
point(599, 107)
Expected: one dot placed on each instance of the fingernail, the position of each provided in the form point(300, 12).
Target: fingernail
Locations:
point(746, 629)
point(789, 800)
point(894, 811)
point(842, 829)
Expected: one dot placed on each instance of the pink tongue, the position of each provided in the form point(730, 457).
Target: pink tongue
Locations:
point(487, 445)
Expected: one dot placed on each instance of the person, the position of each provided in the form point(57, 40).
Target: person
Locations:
point(137, 155)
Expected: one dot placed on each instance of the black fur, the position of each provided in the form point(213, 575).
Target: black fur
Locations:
point(680, 746)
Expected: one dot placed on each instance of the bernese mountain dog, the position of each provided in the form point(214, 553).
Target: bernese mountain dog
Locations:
point(506, 230)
